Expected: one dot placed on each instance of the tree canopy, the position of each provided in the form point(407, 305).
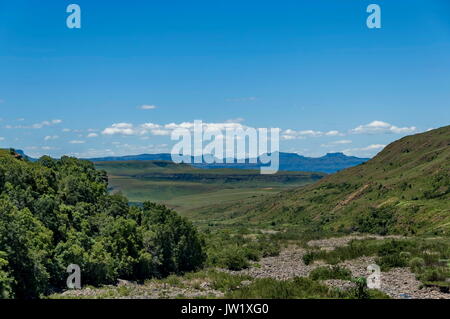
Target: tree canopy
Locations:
point(58, 212)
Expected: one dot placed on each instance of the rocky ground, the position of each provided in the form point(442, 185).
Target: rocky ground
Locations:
point(151, 290)
point(398, 283)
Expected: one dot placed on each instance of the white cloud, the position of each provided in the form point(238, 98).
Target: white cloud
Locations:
point(2, 138)
point(147, 107)
point(373, 147)
point(77, 142)
point(121, 129)
point(129, 129)
point(380, 127)
point(290, 134)
point(288, 137)
point(91, 135)
point(46, 123)
point(333, 133)
point(334, 143)
point(51, 137)
point(363, 151)
point(36, 125)
point(142, 130)
point(160, 132)
point(236, 120)
point(342, 142)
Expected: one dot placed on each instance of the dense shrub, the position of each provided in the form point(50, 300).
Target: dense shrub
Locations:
point(233, 259)
point(5, 279)
point(334, 272)
point(416, 263)
point(376, 221)
point(237, 250)
point(57, 212)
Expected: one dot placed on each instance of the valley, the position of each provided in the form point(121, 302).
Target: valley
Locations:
point(190, 190)
point(288, 235)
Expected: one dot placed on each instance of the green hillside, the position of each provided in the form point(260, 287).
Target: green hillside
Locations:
point(193, 190)
point(405, 189)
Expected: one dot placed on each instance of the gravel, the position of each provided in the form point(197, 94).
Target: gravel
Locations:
point(398, 283)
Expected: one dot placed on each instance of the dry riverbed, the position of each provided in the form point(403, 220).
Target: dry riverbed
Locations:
point(398, 283)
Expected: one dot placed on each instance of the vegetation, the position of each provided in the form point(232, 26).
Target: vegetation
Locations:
point(57, 212)
point(335, 272)
point(237, 251)
point(427, 257)
point(302, 288)
point(193, 191)
point(404, 190)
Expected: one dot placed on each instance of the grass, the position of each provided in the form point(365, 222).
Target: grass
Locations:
point(194, 191)
point(326, 272)
point(404, 190)
point(300, 288)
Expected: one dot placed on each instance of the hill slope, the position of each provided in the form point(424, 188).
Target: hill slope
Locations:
point(404, 189)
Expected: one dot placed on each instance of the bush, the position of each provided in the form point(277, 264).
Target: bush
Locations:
point(308, 258)
point(5, 279)
point(376, 221)
point(57, 212)
point(434, 275)
point(360, 291)
point(335, 272)
point(234, 259)
point(416, 263)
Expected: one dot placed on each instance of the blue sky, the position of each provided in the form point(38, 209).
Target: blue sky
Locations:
point(311, 68)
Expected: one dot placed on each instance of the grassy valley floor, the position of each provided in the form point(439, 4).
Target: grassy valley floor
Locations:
point(191, 190)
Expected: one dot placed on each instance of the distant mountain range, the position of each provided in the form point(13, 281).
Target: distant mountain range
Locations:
point(330, 163)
